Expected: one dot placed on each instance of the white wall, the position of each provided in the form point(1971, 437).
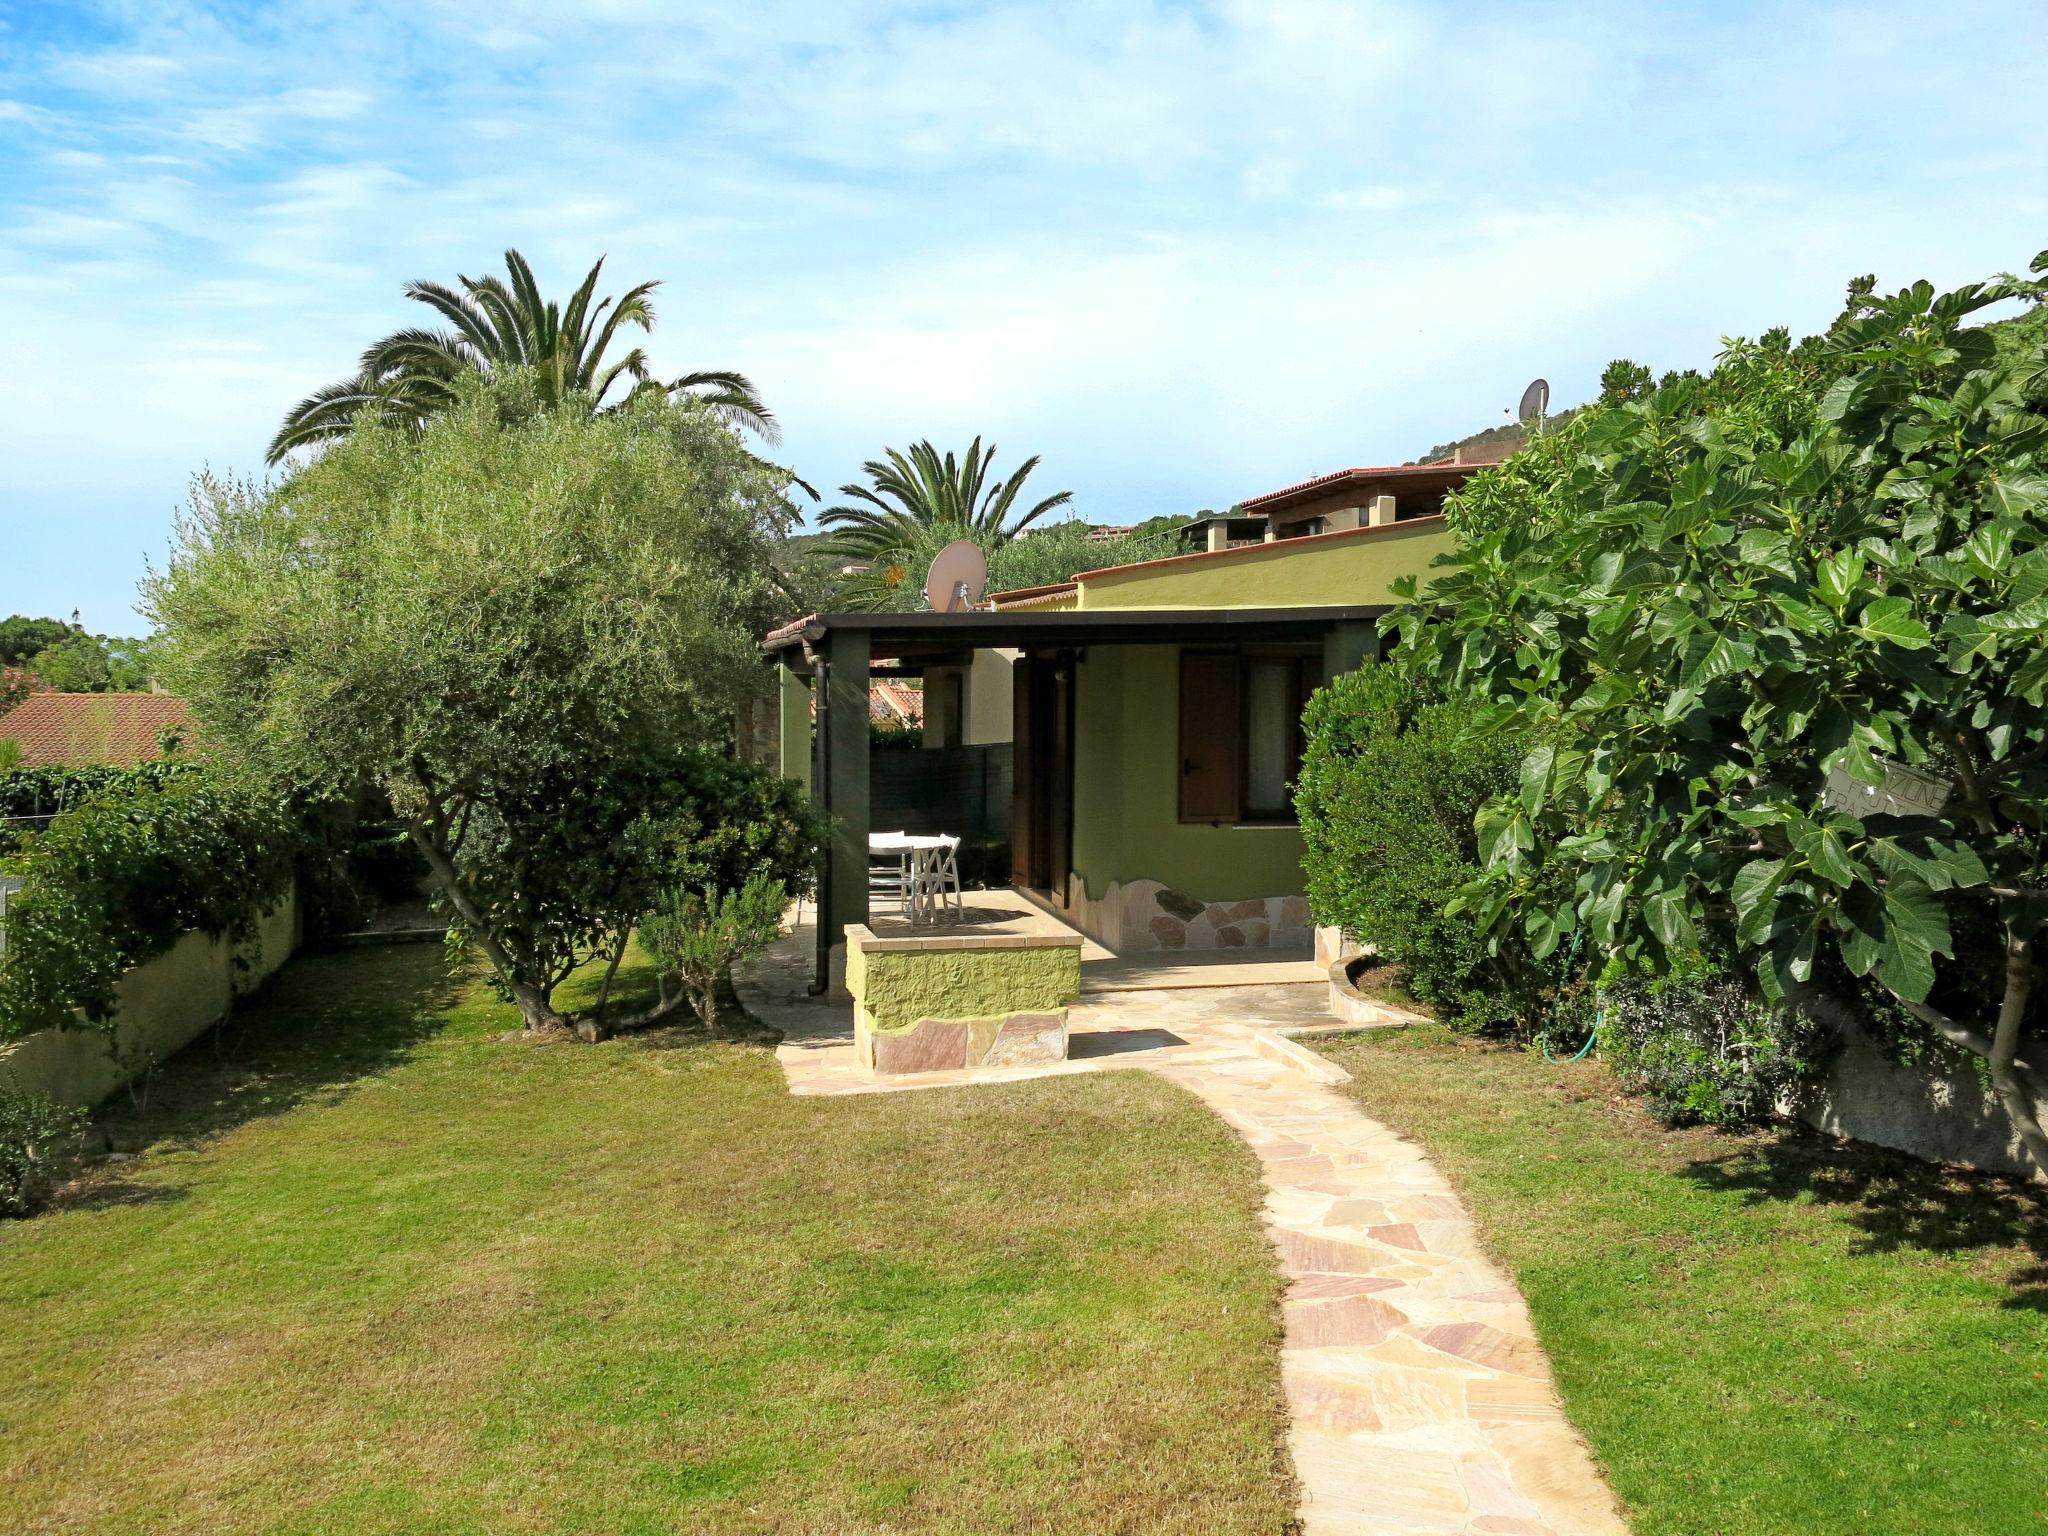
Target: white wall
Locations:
point(987, 684)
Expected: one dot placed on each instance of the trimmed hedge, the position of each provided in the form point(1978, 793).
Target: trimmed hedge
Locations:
point(48, 789)
point(1389, 785)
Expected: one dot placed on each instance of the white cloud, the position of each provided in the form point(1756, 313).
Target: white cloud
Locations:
point(1187, 251)
point(1380, 199)
point(114, 71)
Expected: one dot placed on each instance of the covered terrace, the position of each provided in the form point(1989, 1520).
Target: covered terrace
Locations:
point(827, 663)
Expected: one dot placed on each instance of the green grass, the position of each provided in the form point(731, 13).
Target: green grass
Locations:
point(373, 1270)
point(1758, 1334)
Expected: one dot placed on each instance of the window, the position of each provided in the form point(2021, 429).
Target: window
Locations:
point(1240, 733)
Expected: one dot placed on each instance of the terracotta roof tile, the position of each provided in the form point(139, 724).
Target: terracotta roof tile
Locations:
point(1370, 472)
point(80, 728)
point(889, 700)
point(1025, 597)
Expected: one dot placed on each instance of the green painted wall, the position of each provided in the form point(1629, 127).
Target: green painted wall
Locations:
point(894, 989)
point(1321, 572)
point(1127, 791)
point(793, 705)
point(845, 793)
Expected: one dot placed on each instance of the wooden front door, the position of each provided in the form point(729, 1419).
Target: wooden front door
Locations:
point(1042, 805)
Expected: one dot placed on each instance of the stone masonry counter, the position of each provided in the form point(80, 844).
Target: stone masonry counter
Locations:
point(954, 1001)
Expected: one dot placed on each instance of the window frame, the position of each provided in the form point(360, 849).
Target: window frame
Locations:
point(1307, 668)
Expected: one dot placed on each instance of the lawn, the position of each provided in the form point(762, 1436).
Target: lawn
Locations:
point(369, 1269)
point(1758, 1334)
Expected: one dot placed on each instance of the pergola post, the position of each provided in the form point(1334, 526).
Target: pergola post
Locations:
point(843, 776)
point(1348, 646)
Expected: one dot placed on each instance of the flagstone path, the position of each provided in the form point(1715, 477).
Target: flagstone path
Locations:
point(1420, 1402)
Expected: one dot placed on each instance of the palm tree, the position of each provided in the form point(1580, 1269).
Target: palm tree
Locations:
point(911, 495)
point(504, 323)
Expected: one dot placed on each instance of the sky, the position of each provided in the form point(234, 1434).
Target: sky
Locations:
point(1185, 252)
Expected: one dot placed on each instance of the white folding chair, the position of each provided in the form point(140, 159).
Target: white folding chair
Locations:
point(890, 870)
point(937, 878)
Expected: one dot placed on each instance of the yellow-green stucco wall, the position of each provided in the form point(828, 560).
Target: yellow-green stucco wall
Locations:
point(1127, 791)
point(1329, 570)
point(893, 990)
point(161, 1006)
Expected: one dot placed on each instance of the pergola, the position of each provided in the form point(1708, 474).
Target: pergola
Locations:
point(830, 659)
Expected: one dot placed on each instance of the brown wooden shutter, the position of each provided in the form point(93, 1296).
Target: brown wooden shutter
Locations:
point(1209, 711)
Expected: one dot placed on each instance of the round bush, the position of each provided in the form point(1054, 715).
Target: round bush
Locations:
point(1388, 789)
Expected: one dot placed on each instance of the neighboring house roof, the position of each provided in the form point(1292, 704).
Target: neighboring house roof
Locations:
point(1386, 477)
point(1046, 596)
point(75, 729)
point(891, 701)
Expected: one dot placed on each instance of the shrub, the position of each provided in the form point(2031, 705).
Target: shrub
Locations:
point(477, 615)
point(45, 789)
point(1704, 1047)
point(567, 867)
point(747, 823)
point(698, 937)
point(118, 877)
point(38, 1140)
point(1388, 788)
point(1777, 639)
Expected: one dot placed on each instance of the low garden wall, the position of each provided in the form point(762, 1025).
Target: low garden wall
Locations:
point(164, 1004)
point(1940, 1109)
point(940, 1004)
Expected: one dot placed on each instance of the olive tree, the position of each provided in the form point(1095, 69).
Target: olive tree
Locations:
point(496, 621)
point(1788, 666)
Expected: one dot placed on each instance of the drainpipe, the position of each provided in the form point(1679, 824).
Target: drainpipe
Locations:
point(821, 781)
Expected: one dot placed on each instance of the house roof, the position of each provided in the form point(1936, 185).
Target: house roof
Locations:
point(1444, 472)
point(793, 627)
point(1305, 541)
point(1030, 597)
point(912, 636)
point(80, 728)
point(889, 700)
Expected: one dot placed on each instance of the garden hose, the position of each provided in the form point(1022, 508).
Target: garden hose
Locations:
point(1599, 1016)
point(1592, 1035)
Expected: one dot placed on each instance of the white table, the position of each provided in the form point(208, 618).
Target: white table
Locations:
point(921, 856)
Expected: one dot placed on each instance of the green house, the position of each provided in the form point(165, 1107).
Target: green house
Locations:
point(1153, 710)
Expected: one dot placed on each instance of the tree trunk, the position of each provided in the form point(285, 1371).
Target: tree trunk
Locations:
point(2015, 1081)
point(604, 993)
point(535, 1010)
point(654, 1015)
point(2005, 1045)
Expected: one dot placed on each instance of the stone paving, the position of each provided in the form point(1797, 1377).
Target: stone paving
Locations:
point(1420, 1402)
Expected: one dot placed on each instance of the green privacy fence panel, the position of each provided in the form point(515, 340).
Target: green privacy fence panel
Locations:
point(958, 791)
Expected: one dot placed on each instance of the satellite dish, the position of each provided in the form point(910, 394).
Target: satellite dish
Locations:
point(1535, 401)
point(959, 572)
